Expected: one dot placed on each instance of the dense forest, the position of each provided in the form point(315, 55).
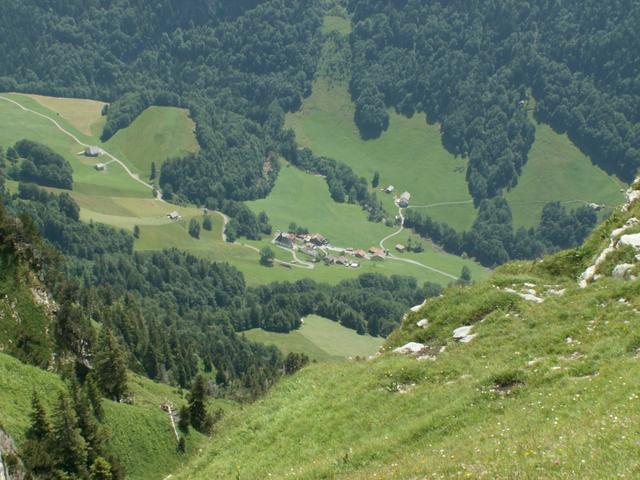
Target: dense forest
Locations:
point(173, 310)
point(492, 239)
point(236, 65)
point(474, 65)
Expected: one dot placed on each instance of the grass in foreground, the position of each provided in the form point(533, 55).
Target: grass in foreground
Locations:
point(321, 339)
point(543, 391)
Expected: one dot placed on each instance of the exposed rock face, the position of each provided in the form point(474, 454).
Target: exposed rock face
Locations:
point(462, 332)
point(632, 240)
point(424, 323)
point(621, 271)
point(8, 447)
point(410, 348)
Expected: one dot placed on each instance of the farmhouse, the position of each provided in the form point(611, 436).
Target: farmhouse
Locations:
point(389, 189)
point(93, 151)
point(401, 248)
point(377, 251)
point(174, 215)
point(404, 200)
point(360, 253)
point(101, 167)
point(285, 239)
point(318, 240)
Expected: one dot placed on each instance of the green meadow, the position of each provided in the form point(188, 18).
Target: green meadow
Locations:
point(558, 171)
point(157, 134)
point(18, 124)
point(409, 155)
point(304, 199)
point(321, 339)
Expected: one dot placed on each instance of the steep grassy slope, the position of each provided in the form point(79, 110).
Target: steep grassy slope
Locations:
point(141, 434)
point(547, 389)
point(321, 339)
point(155, 135)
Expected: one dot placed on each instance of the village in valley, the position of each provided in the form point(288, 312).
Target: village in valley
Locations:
point(318, 248)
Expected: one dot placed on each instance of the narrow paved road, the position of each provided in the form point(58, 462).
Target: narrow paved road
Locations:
point(134, 176)
point(391, 256)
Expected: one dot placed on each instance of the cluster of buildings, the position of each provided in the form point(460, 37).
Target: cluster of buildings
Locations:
point(290, 240)
point(317, 247)
point(403, 200)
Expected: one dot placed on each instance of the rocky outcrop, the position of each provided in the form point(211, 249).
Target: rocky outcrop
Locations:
point(11, 467)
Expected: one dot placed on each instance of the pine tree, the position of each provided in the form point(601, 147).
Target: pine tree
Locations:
point(69, 448)
point(36, 449)
point(207, 223)
point(91, 431)
point(111, 367)
point(94, 396)
point(185, 419)
point(198, 404)
point(194, 228)
point(40, 427)
point(153, 171)
point(376, 180)
point(182, 445)
point(136, 231)
point(101, 470)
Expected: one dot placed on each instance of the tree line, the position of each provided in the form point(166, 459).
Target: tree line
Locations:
point(492, 239)
point(473, 66)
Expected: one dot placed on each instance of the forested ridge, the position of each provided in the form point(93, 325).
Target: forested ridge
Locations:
point(473, 66)
point(236, 67)
point(173, 310)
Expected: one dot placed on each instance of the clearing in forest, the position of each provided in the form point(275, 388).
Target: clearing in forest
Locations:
point(321, 339)
point(83, 114)
point(558, 171)
point(157, 134)
point(409, 155)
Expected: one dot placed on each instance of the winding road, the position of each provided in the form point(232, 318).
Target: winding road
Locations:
point(225, 220)
point(391, 256)
point(113, 158)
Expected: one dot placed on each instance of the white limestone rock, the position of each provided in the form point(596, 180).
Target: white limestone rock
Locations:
point(632, 240)
point(468, 338)
point(621, 271)
point(461, 332)
point(410, 348)
point(424, 323)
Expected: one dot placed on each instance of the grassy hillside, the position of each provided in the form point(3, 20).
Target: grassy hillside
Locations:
point(141, 434)
point(155, 135)
point(544, 390)
point(321, 339)
point(346, 225)
point(558, 170)
point(409, 155)
point(19, 124)
point(83, 114)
